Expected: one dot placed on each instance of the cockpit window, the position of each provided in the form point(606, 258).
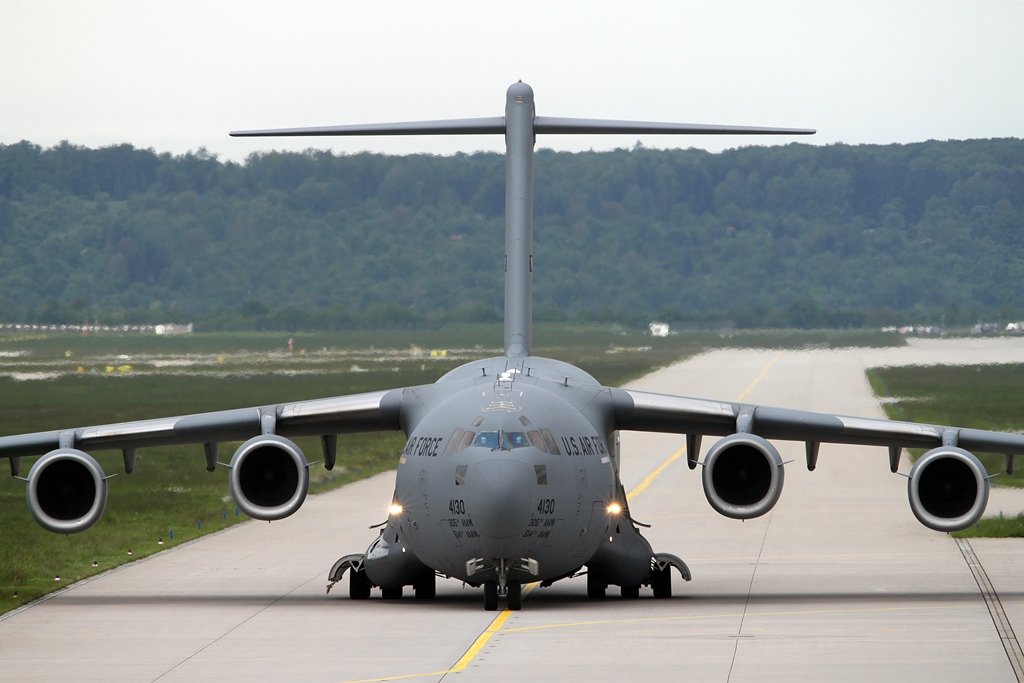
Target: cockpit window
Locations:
point(549, 441)
point(453, 443)
point(487, 440)
point(511, 440)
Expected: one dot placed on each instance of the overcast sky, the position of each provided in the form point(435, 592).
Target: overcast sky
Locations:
point(177, 76)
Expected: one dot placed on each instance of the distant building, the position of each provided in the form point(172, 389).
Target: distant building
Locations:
point(659, 329)
point(173, 329)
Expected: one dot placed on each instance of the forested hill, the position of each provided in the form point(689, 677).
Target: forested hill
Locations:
point(922, 228)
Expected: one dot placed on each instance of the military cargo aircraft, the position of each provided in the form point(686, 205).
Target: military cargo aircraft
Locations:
point(510, 474)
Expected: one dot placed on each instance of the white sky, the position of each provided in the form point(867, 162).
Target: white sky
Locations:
point(179, 75)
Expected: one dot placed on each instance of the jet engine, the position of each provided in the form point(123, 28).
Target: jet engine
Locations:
point(743, 476)
point(269, 477)
point(948, 489)
point(67, 491)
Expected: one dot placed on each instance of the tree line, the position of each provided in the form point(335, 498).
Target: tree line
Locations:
point(794, 235)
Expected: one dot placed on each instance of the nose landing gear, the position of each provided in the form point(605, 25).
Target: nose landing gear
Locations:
point(514, 595)
point(490, 595)
point(512, 591)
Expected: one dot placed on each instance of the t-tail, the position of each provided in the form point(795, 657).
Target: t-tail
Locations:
point(520, 125)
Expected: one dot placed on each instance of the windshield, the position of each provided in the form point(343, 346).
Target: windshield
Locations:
point(487, 439)
point(507, 441)
point(504, 440)
point(514, 440)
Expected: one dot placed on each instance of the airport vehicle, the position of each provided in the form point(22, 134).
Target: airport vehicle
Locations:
point(511, 469)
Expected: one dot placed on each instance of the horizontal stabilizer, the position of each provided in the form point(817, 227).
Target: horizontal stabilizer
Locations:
point(569, 126)
point(484, 126)
point(542, 124)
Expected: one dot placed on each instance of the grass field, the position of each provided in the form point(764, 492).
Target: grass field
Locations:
point(977, 396)
point(57, 381)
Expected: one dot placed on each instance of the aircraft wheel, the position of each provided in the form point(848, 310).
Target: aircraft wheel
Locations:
point(391, 593)
point(631, 592)
point(595, 586)
point(426, 586)
point(661, 582)
point(358, 585)
point(515, 595)
point(490, 595)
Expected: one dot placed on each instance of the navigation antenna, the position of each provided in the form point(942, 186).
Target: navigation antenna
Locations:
point(520, 126)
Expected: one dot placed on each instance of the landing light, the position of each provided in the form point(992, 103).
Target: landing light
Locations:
point(394, 509)
point(614, 509)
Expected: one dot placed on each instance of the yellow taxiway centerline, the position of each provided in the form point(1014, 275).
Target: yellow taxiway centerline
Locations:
point(471, 653)
point(675, 456)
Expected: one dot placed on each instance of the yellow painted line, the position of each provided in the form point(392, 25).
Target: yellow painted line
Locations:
point(471, 653)
point(653, 475)
point(474, 650)
point(737, 615)
point(757, 380)
point(675, 456)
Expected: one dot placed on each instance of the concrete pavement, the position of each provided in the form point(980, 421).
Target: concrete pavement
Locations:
point(838, 582)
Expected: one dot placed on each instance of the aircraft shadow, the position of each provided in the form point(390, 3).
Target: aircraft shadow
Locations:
point(539, 599)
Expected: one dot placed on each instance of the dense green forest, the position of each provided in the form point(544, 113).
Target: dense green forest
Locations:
point(794, 235)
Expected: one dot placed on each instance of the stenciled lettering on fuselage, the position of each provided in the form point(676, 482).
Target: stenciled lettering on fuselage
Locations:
point(583, 445)
point(461, 526)
point(426, 446)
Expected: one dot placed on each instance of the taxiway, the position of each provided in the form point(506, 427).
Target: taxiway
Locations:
point(839, 582)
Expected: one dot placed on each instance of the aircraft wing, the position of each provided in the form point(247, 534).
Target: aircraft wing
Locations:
point(643, 411)
point(374, 411)
point(269, 474)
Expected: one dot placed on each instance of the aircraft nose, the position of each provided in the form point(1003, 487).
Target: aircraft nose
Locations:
point(499, 496)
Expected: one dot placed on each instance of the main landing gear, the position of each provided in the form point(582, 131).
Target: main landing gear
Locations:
point(424, 586)
point(660, 579)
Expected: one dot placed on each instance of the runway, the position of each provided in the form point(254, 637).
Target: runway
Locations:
point(839, 582)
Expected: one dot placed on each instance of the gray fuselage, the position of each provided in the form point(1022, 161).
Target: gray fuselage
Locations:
point(506, 459)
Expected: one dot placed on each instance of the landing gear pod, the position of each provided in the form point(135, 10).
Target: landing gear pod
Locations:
point(269, 477)
point(743, 476)
point(66, 491)
point(948, 489)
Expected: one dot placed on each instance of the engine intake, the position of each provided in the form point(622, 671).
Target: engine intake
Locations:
point(67, 491)
point(948, 489)
point(269, 477)
point(743, 476)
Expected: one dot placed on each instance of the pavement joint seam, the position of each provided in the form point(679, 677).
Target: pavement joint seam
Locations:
point(995, 609)
point(750, 589)
point(237, 626)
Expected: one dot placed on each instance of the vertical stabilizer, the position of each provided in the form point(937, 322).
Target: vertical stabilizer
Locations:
point(520, 126)
point(519, 116)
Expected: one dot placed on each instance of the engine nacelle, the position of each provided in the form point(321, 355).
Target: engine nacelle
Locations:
point(743, 476)
point(67, 491)
point(269, 477)
point(948, 489)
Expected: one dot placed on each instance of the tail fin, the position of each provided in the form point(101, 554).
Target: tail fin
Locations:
point(520, 125)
